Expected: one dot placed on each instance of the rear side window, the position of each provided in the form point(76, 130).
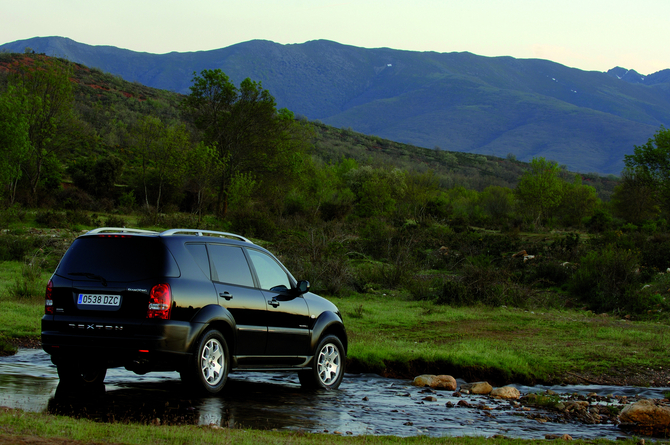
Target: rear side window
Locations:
point(128, 258)
point(231, 265)
point(199, 254)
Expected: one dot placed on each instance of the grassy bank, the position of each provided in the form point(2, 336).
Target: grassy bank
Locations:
point(404, 338)
point(21, 427)
point(20, 312)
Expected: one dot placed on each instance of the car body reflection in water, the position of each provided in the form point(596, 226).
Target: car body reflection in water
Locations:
point(364, 404)
point(244, 404)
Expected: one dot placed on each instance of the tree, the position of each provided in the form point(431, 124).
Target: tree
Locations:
point(145, 135)
point(202, 167)
point(498, 202)
point(48, 107)
point(650, 165)
point(161, 151)
point(578, 201)
point(635, 199)
point(97, 177)
point(377, 191)
point(253, 139)
point(540, 189)
point(14, 139)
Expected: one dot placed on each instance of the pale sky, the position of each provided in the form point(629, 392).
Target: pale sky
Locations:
point(586, 34)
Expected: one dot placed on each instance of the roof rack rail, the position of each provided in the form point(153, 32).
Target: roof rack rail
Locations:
point(118, 229)
point(203, 232)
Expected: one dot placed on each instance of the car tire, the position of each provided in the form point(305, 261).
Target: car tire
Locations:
point(79, 375)
point(208, 370)
point(327, 368)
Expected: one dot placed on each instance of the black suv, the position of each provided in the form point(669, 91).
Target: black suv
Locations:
point(199, 302)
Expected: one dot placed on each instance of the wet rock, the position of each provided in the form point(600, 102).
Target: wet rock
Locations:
point(463, 403)
point(506, 392)
point(430, 399)
point(446, 382)
point(647, 412)
point(477, 388)
point(423, 380)
point(576, 406)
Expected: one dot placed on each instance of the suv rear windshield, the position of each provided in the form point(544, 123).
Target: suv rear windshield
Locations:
point(125, 258)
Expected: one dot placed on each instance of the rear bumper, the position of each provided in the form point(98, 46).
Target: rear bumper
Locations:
point(144, 345)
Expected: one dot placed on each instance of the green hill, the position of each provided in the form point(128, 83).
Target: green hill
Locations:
point(455, 101)
point(110, 105)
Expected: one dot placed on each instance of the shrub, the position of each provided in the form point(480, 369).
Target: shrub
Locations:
point(115, 221)
point(73, 198)
point(371, 275)
point(77, 217)
point(656, 252)
point(28, 285)
point(599, 222)
point(454, 293)
point(331, 276)
point(547, 272)
point(12, 214)
point(606, 278)
point(15, 248)
point(63, 220)
point(52, 219)
point(423, 288)
point(253, 223)
point(179, 221)
point(147, 218)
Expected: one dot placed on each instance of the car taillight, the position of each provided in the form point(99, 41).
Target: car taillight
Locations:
point(48, 300)
point(160, 302)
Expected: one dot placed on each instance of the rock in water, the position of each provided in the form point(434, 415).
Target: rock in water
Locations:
point(506, 392)
point(477, 387)
point(436, 381)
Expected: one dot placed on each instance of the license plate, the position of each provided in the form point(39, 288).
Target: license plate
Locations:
point(99, 300)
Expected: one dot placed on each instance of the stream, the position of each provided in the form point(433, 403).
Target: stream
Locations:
point(365, 404)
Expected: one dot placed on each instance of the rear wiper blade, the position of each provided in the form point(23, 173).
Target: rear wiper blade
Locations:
point(92, 276)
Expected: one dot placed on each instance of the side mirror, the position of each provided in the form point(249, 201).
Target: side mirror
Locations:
point(303, 286)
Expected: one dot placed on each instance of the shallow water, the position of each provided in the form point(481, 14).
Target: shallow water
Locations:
point(365, 403)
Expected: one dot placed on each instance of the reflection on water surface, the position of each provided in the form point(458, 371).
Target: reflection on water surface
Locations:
point(365, 404)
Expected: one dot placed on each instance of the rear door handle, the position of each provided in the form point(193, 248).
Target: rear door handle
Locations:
point(227, 295)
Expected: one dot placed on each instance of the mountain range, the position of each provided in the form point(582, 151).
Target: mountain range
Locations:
point(501, 106)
